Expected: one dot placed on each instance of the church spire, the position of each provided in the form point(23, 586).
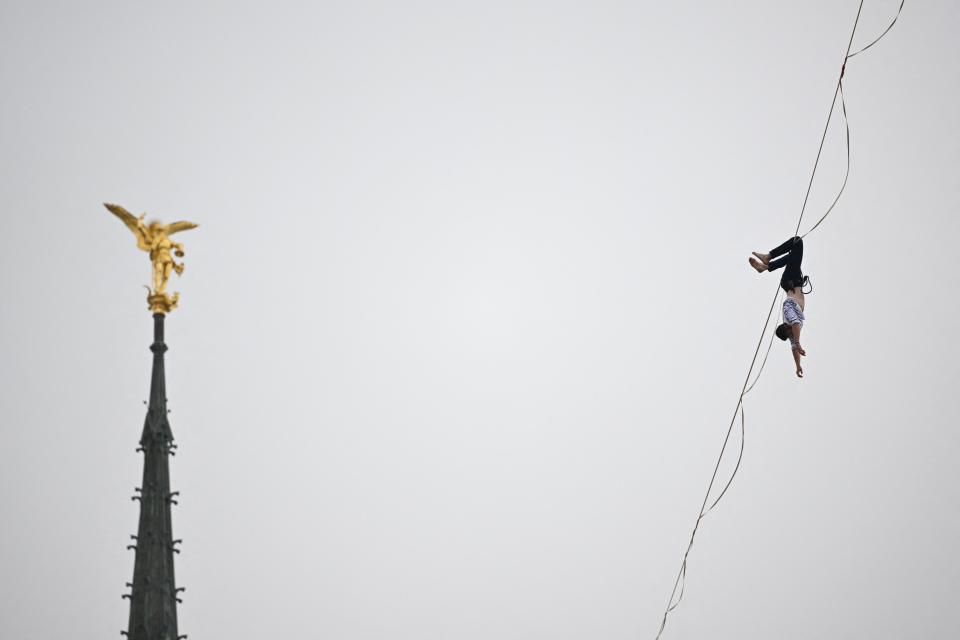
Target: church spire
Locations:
point(154, 594)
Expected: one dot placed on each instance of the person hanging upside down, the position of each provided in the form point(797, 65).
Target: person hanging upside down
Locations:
point(788, 256)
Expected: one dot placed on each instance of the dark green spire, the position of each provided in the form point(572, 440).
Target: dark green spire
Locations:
point(153, 596)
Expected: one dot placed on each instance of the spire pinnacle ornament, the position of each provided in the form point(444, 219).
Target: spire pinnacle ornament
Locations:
point(154, 238)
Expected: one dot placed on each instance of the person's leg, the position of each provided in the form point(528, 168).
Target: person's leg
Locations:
point(795, 258)
point(792, 274)
point(779, 251)
point(788, 253)
point(785, 247)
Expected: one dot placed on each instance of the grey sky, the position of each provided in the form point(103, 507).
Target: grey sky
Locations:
point(468, 311)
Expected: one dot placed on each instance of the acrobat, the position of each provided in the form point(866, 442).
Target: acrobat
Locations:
point(788, 256)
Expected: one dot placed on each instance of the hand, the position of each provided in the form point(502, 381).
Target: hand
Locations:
point(799, 371)
point(800, 350)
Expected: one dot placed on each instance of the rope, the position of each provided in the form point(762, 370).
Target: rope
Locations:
point(680, 582)
point(890, 26)
point(846, 122)
point(833, 104)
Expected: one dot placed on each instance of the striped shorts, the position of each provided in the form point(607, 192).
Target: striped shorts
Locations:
point(792, 313)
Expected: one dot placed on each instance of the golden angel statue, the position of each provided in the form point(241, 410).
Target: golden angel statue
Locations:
point(154, 237)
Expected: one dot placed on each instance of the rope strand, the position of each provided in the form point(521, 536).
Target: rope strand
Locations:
point(833, 104)
point(890, 26)
point(681, 576)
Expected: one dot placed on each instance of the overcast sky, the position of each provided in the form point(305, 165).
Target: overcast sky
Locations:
point(467, 314)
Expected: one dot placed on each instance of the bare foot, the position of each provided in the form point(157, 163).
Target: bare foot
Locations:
point(756, 264)
point(763, 257)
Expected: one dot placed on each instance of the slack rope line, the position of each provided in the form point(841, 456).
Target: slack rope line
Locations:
point(846, 122)
point(890, 26)
point(680, 582)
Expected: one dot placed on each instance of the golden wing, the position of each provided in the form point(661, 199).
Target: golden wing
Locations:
point(183, 225)
point(132, 223)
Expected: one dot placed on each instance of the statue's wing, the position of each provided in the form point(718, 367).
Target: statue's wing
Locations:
point(128, 218)
point(183, 225)
point(131, 221)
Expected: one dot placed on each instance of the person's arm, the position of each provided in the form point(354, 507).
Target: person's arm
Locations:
point(796, 358)
point(796, 348)
point(795, 340)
